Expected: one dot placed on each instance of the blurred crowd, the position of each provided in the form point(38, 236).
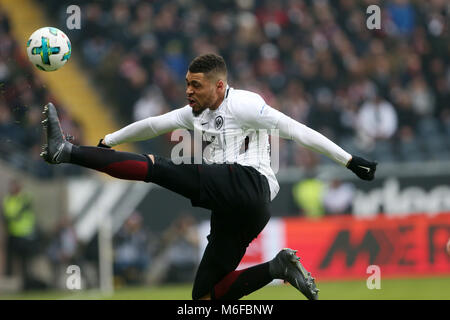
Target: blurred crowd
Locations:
point(40, 259)
point(384, 94)
point(381, 93)
point(22, 95)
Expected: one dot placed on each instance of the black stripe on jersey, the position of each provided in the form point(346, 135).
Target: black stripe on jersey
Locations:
point(244, 145)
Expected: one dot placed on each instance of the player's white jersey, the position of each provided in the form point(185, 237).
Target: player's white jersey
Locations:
point(237, 132)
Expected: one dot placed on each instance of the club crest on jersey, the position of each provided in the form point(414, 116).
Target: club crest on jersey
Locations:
point(218, 122)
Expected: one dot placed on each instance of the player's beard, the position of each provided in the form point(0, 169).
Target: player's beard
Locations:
point(207, 105)
point(198, 112)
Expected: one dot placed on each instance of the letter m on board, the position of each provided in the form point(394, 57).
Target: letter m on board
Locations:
point(343, 246)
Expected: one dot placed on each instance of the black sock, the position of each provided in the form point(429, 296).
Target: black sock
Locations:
point(122, 165)
point(239, 283)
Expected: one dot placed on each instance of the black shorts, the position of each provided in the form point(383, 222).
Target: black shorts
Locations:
point(238, 197)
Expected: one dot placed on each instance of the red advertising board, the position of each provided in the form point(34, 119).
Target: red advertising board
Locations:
point(343, 247)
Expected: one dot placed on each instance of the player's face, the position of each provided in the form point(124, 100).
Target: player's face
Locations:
point(201, 92)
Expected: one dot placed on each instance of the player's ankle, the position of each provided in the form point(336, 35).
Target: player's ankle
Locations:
point(64, 153)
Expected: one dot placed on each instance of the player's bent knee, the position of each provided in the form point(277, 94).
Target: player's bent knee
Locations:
point(152, 157)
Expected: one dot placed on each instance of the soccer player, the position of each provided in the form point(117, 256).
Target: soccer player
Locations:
point(235, 180)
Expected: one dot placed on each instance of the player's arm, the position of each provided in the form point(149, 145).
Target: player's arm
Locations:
point(255, 113)
point(311, 139)
point(148, 128)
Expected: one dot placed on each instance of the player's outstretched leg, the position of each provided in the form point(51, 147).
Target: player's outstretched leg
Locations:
point(123, 165)
point(286, 266)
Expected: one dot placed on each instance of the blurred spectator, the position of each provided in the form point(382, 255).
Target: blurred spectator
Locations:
point(401, 14)
point(132, 256)
point(151, 104)
point(176, 259)
point(421, 97)
point(181, 243)
point(377, 120)
point(323, 116)
point(63, 250)
point(22, 234)
point(9, 130)
point(337, 197)
point(308, 193)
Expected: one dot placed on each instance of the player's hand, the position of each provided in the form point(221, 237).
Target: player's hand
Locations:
point(102, 145)
point(362, 168)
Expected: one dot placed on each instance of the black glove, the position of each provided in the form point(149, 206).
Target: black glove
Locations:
point(102, 145)
point(362, 168)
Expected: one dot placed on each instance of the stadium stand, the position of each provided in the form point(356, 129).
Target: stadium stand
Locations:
point(314, 60)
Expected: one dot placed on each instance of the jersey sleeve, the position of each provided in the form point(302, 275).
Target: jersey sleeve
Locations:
point(290, 129)
point(251, 111)
point(151, 127)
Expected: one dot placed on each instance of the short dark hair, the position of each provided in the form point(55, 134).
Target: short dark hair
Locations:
point(208, 63)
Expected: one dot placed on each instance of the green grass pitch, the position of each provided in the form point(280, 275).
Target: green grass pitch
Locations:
point(402, 289)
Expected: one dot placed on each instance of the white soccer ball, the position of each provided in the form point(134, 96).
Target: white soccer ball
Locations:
point(48, 49)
